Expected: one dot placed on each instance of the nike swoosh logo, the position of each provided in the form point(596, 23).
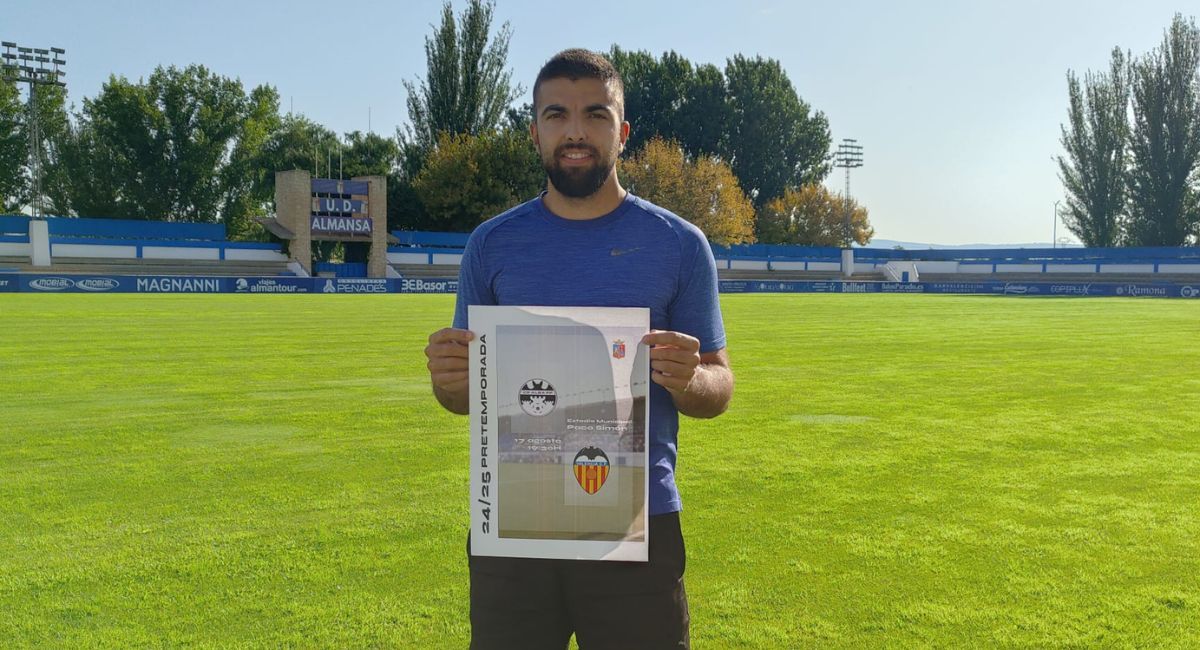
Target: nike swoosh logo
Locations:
point(624, 251)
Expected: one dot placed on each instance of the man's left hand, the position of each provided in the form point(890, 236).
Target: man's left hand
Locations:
point(674, 358)
point(700, 384)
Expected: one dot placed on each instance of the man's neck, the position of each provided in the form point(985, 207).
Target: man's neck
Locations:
point(605, 200)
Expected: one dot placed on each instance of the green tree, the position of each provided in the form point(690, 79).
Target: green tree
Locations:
point(749, 115)
point(773, 139)
point(87, 183)
point(369, 154)
point(1165, 145)
point(54, 128)
point(701, 189)
point(811, 215)
point(159, 149)
point(298, 143)
point(405, 210)
point(656, 92)
point(704, 115)
point(468, 178)
point(466, 87)
point(13, 152)
point(671, 99)
point(245, 176)
point(16, 171)
point(1093, 168)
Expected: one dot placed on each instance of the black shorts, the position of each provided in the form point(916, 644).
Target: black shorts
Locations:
point(528, 604)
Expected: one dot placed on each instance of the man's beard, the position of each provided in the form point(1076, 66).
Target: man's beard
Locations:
point(577, 182)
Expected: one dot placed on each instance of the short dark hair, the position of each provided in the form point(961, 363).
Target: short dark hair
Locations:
point(577, 63)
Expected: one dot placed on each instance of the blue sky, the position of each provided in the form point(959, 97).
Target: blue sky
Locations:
point(957, 105)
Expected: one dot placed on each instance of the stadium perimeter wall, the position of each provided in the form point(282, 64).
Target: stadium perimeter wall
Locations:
point(43, 283)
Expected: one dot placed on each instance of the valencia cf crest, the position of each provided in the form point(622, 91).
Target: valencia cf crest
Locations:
point(591, 469)
point(537, 397)
point(618, 349)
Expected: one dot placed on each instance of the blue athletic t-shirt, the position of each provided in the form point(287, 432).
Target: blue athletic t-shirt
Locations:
point(638, 255)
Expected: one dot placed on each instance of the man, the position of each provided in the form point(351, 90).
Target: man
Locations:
point(587, 242)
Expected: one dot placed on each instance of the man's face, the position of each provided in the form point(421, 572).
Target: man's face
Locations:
point(579, 133)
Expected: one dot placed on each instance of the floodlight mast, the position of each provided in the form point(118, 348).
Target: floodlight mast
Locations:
point(848, 156)
point(19, 66)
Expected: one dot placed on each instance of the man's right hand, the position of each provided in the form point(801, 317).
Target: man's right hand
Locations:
point(448, 371)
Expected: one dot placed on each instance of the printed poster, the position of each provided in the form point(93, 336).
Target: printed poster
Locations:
point(559, 454)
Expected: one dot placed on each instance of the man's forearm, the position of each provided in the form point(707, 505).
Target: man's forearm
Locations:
point(453, 401)
point(709, 392)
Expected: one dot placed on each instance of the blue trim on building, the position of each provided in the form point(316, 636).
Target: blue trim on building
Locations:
point(15, 224)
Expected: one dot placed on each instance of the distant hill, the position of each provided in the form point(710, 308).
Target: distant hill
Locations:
point(916, 246)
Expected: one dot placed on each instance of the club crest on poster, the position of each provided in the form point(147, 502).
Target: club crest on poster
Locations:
point(537, 397)
point(618, 349)
point(591, 469)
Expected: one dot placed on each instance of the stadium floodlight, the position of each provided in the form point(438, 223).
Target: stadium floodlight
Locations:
point(13, 67)
point(848, 156)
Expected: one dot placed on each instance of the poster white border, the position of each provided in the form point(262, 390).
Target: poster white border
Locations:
point(485, 485)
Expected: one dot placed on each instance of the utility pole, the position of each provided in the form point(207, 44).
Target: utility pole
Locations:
point(17, 64)
point(848, 156)
point(1054, 241)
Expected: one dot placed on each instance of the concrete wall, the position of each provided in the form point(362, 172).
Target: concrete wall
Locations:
point(446, 258)
point(1179, 268)
point(1127, 268)
point(941, 267)
point(39, 243)
point(94, 250)
point(254, 255)
point(408, 258)
point(15, 250)
point(180, 253)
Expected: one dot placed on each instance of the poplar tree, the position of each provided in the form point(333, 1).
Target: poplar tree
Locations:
point(1164, 207)
point(1093, 168)
point(466, 88)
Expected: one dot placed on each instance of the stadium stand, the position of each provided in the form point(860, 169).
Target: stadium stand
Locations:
point(431, 254)
point(134, 247)
point(131, 247)
point(424, 254)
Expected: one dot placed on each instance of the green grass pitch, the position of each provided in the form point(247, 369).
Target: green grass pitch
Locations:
point(895, 471)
